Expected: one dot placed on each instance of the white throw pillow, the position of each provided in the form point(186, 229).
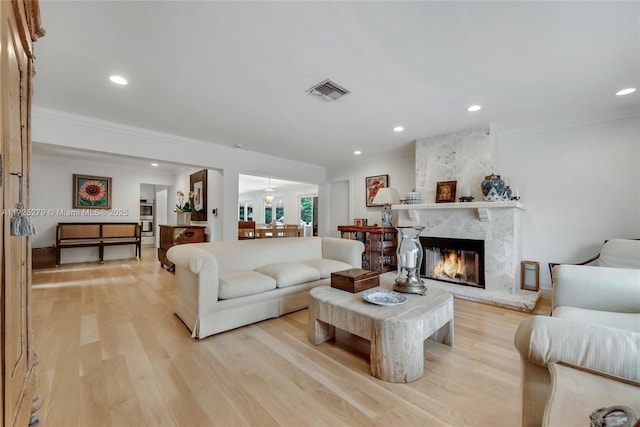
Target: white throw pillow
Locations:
point(289, 273)
point(235, 284)
point(328, 266)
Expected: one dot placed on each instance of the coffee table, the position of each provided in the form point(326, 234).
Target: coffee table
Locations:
point(396, 333)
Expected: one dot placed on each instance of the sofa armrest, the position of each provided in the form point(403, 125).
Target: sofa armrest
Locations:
point(345, 250)
point(596, 288)
point(541, 340)
point(196, 283)
point(191, 257)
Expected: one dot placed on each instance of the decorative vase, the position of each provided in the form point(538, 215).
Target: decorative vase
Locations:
point(507, 193)
point(183, 218)
point(492, 188)
point(409, 255)
point(413, 197)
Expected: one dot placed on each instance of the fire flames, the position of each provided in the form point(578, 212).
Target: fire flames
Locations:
point(451, 265)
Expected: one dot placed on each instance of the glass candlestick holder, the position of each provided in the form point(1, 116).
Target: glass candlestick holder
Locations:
point(409, 254)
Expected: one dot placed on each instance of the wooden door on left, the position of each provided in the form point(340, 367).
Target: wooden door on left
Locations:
point(19, 27)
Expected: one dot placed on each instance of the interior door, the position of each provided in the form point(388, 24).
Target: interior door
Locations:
point(15, 89)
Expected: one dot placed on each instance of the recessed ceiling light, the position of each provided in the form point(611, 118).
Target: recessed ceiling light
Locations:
point(398, 129)
point(119, 80)
point(357, 152)
point(474, 108)
point(154, 164)
point(626, 91)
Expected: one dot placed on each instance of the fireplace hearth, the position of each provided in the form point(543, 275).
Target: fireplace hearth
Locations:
point(459, 261)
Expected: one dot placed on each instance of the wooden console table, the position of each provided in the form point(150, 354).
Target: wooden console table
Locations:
point(172, 235)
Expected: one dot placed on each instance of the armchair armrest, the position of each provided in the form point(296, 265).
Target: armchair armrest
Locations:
point(541, 340)
point(596, 288)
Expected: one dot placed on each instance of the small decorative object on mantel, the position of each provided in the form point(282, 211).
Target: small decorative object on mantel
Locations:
point(466, 195)
point(507, 193)
point(446, 191)
point(493, 188)
point(413, 197)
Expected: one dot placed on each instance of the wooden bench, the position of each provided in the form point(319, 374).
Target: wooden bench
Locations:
point(97, 234)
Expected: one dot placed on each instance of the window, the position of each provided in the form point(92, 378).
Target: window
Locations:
point(245, 210)
point(268, 213)
point(306, 209)
point(279, 203)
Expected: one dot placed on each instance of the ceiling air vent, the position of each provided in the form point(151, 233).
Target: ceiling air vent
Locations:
point(328, 90)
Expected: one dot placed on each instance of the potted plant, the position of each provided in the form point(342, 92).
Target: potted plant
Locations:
point(183, 208)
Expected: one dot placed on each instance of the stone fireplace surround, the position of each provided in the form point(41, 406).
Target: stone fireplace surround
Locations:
point(467, 157)
point(498, 224)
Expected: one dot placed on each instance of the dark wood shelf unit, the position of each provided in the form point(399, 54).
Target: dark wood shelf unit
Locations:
point(380, 245)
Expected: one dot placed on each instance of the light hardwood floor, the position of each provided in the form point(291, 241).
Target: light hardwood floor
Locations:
point(111, 353)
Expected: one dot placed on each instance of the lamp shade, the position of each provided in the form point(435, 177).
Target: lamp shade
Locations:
point(386, 196)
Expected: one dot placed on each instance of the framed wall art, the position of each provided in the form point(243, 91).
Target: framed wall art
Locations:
point(198, 184)
point(446, 191)
point(91, 192)
point(373, 184)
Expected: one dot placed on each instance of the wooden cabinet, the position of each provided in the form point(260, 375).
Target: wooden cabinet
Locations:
point(171, 235)
point(380, 244)
point(20, 27)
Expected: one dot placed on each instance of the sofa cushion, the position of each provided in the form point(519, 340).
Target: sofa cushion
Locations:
point(289, 273)
point(627, 321)
point(328, 266)
point(234, 284)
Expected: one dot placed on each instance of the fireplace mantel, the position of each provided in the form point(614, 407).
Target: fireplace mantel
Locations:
point(484, 208)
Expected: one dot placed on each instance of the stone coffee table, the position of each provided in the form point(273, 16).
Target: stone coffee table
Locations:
point(396, 333)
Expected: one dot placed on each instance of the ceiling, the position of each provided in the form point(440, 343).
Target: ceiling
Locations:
point(237, 72)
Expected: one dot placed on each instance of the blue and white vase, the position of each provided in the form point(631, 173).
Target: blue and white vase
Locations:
point(493, 188)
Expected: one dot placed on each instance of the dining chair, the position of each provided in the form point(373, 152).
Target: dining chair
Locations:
point(291, 230)
point(246, 230)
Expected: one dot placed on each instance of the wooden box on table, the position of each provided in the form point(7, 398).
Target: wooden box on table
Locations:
point(355, 280)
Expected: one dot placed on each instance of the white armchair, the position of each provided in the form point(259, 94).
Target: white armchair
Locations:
point(595, 324)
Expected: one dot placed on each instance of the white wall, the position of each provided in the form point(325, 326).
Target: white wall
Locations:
point(580, 186)
point(399, 165)
point(52, 190)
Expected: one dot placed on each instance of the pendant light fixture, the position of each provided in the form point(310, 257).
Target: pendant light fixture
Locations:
point(269, 194)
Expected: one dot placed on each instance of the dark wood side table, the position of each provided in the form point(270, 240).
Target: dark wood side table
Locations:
point(171, 235)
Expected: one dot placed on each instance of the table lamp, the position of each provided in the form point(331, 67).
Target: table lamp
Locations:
point(386, 197)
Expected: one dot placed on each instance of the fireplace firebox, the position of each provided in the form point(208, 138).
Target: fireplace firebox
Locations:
point(459, 261)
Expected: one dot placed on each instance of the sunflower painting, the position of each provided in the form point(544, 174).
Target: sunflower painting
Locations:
point(91, 192)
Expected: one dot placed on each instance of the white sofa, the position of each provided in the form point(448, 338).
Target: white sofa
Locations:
point(225, 285)
point(595, 324)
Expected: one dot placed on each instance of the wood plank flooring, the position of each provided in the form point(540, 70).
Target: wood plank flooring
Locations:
point(111, 353)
